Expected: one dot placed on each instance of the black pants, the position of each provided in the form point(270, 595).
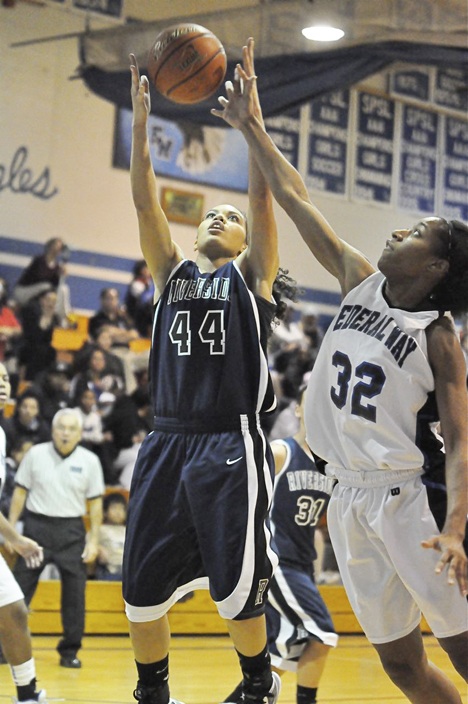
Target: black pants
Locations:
point(63, 540)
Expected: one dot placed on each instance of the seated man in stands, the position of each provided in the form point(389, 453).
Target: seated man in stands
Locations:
point(103, 342)
point(113, 318)
point(139, 299)
point(53, 386)
point(27, 422)
point(39, 319)
point(46, 272)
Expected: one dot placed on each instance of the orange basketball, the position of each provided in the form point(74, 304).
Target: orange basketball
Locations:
point(186, 63)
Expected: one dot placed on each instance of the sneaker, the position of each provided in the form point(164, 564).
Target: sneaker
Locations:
point(147, 695)
point(271, 697)
point(41, 697)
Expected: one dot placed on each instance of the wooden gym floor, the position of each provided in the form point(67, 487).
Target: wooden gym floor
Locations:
point(204, 670)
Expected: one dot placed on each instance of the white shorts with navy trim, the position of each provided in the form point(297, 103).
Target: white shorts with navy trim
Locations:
point(376, 531)
point(10, 590)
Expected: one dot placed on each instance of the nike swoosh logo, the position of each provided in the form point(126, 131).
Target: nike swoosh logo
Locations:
point(234, 461)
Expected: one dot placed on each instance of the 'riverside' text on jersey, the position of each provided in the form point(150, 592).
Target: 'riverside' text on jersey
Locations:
point(300, 497)
point(209, 340)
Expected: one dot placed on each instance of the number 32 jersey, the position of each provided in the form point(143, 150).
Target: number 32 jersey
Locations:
point(370, 380)
point(208, 360)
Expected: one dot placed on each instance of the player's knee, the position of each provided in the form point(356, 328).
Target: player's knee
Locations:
point(14, 617)
point(456, 648)
point(404, 672)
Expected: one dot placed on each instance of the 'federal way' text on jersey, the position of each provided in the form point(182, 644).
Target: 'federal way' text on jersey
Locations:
point(209, 347)
point(300, 497)
point(371, 357)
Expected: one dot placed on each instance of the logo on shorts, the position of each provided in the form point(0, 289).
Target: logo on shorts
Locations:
point(234, 461)
point(262, 585)
point(395, 491)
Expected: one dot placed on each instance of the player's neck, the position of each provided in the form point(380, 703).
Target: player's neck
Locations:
point(300, 438)
point(207, 265)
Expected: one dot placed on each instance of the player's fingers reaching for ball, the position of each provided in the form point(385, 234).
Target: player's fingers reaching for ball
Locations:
point(134, 63)
point(238, 82)
point(248, 57)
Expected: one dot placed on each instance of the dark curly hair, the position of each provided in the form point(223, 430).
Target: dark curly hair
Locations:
point(451, 294)
point(284, 287)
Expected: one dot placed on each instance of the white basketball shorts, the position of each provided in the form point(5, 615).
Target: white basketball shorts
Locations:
point(376, 532)
point(9, 588)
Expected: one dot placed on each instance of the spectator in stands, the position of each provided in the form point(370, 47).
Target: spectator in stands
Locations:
point(93, 436)
point(94, 377)
point(17, 451)
point(311, 329)
point(113, 317)
point(39, 320)
point(103, 342)
point(128, 422)
point(112, 538)
point(53, 385)
point(287, 332)
point(10, 326)
point(54, 482)
point(27, 422)
point(139, 299)
point(46, 272)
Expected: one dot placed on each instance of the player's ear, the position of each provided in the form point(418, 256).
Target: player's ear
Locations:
point(440, 266)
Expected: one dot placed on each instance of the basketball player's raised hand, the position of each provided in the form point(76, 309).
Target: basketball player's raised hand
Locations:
point(249, 68)
point(241, 102)
point(141, 100)
point(453, 558)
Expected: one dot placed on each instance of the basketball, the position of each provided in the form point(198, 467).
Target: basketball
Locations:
point(186, 63)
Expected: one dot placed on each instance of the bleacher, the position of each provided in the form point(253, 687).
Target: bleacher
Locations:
point(196, 616)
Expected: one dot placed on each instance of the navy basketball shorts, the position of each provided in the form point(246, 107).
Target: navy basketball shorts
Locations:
point(295, 614)
point(198, 519)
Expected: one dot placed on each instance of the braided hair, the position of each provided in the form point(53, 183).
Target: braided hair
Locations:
point(284, 287)
point(451, 293)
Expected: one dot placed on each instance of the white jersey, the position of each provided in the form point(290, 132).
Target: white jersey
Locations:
point(371, 378)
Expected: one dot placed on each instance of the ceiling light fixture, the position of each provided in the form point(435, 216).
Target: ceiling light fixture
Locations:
point(322, 33)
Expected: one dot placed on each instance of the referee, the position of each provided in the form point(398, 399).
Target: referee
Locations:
point(54, 483)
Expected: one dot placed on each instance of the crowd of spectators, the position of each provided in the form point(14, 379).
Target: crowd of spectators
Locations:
point(103, 380)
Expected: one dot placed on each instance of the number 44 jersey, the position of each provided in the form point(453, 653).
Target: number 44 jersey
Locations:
point(208, 360)
point(370, 380)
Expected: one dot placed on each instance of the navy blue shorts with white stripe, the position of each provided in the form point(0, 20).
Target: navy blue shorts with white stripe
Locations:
point(296, 614)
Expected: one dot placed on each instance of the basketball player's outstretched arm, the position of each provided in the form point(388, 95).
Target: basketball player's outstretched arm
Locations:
point(158, 248)
point(448, 365)
point(342, 260)
point(27, 548)
point(260, 261)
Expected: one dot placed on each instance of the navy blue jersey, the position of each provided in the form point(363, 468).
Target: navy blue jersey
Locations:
point(208, 361)
point(300, 497)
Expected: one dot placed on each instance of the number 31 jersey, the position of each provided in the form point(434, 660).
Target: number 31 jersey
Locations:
point(370, 380)
point(208, 360)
